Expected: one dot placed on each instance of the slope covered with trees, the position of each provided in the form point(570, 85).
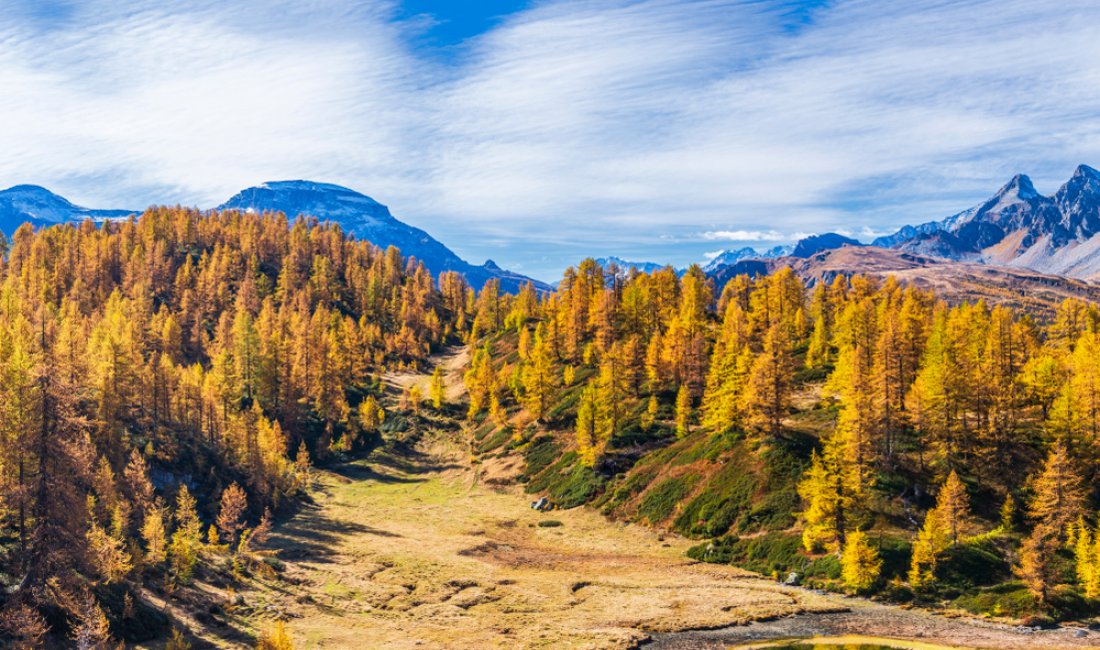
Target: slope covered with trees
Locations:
point(164, 385)
point(863, 435)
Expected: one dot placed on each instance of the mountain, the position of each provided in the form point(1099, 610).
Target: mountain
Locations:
point(368, 220)
point(732, 256)
point(824, 242)
point(41, 207)
point(1019, 227)
point(954, 281)
point(643, 267)
point(802, 248)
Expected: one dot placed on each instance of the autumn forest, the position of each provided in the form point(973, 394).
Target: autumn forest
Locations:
point(169, 383)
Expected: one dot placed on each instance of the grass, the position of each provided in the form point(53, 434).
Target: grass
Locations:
point(659, 502)
point(410, 552)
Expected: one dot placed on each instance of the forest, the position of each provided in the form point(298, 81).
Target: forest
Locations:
point(167, 383)
point(858, 435)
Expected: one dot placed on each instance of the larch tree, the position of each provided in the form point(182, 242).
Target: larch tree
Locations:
point(768, 392)
point(860, 564)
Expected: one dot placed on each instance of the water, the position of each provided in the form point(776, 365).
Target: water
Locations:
point(801, 645)
point(842, 643)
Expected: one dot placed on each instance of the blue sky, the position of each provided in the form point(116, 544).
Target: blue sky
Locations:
point(543, 131)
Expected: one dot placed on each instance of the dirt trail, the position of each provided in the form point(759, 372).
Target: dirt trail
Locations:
point(408, 549)
point(453, 360)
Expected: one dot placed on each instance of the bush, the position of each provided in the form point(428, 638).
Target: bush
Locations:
point(768, 553)
point(726, 497)
point(660, 501)
point(1010, 599)
point(576, 487)
point(539, 455)
point(549, 523)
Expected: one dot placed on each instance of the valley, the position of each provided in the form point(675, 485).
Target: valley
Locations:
point(413, 547)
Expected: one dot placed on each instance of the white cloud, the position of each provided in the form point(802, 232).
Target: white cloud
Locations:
point(749, 235)
point(573, 128)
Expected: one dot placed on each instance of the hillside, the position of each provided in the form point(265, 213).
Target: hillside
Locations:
point(957, 282)
point(357, 214)
point(166, 384)
point(371, 221)
point(656, 410)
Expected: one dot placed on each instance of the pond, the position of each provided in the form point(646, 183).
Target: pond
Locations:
point(841, 643)
point(801, 645)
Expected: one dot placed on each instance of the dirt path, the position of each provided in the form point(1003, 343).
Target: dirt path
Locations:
point(408, 549)
point(453, 360)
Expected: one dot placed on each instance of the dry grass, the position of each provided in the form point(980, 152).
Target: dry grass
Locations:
point(407, 550)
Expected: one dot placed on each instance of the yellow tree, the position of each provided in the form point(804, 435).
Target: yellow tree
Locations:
point(539, 377)
point(683, 411)
point(860, 564)
point(438, 388)
point(183, 550)
point(234, 503)
point(153, 534)
point(1059, 493)
point(953, 505)
point(1058, 502)
point(589, 446)
point(830, 491)
point(942, 526)
point(767, 396)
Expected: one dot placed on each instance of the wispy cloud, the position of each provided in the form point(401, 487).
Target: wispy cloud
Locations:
point(569, 129)
point(751, 235)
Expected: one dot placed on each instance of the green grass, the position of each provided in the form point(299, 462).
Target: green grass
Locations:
point(659, 502)
point(725, 498)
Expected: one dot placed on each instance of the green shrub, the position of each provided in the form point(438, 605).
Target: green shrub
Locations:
point(661, 500)
point(498, 439)
point(539, 455)
point(549, 523)
point(1009, 599)
point(769, 553)
point(726, 496)
point(576, 487)
point(635, 482)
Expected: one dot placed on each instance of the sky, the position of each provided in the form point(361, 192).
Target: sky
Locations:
point(539, 132)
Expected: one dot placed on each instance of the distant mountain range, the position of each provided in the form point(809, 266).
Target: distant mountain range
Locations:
point(1019, 227)
point(369, 220)
point(356, 214)
point(1057, 235)
point(41, 207)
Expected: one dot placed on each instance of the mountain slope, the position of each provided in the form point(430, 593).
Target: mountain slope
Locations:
point(954, 281)
point(1019, 227)
point(626, 265)
point(41, 207)
point(356, 213)
point(368, 220)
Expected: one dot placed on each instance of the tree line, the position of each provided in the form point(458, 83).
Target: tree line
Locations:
point(953, 398)
point(166, 382)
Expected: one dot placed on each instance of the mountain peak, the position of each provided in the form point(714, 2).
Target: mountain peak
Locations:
point(1084, 171)
point(310, 186)
point(1020, 186)
point(39, 206)
point(294, 197)
point(367, 219)
point(27, 189)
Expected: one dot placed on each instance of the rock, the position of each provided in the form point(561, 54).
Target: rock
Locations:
point(793, 579)
point(1080, 634)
